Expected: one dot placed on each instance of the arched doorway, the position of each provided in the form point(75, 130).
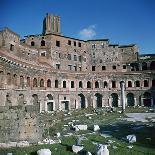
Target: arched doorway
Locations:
point(98, 100)
point(130, 99)
point(114, 101)
point(147, 99)
point(82, 101)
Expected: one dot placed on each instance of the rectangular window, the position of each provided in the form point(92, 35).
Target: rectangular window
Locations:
point(69, 42)
point(57, 43)
point(43, 53)
point(56, 83)
point(75, 68)
point(75, 58)
point(113, 67)
point(69, 56)
point(80, 58)
point(11, 47)
point(57, 66)
point(79, 44)
point(93, 46)
point(70, 67)
point(74, 43)
point(93, 68)
point(64, 84)
point(103, 67)
point(124, 66)
point(72, 84)
point(80, 68)
point(113, 84)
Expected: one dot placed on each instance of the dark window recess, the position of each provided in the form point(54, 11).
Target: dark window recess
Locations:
point(56, 83)
point(80, 58)
point(74, 43)
point(93, 68)
point(11, 47)
point(113, 84)
point(72, 84)
point(80, 84)
point(80, 69)
point(69, 42)
point(124, 66)
point(42, 43)
point(101, 61)
point(75, 58)
point(113, 67)
point(69, 56)
point(57, 66)
point(57, 43)
point(70, 67)
point(64, 84)
point(79, 44)
point(129, 84)
point(103, 67)
point(64, 98)
point(32, 43)
point(137, 83)
point(75, 68)
point(43, 54)
point(146, 83)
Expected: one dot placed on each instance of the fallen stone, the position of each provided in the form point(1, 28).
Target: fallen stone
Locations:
point(131, 138)
point(88, 153)
point(130, 147)
point(9, 153)
point(96, 128)
point(44, 152)
point(114, 147)
point(58, 134)
point(23, 144)
point(80, 127)
point(77, 148)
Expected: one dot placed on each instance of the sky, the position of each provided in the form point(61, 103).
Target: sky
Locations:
point(121, 21)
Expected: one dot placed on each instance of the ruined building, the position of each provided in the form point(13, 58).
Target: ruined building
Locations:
point(51, 72)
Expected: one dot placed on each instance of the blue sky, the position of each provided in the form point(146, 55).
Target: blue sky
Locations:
point(122, 21)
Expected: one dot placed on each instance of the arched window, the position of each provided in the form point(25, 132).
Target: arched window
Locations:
point(32, 43)
point(105, 84)
point(88, 84)
point(28, 82)
point(15, 79)
point(21, 81)
point(35, 83)
point(129, 84)
point(8, 78)
point(42, 43)
point(64, 84)
point(48, 83)
point(50, 97)
point(56, 83)
point(96, 84)
point(146, 83)
point(80, 84)
point(137, 83)
point(42, 83)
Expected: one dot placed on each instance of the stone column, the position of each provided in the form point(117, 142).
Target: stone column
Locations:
point(122, 85)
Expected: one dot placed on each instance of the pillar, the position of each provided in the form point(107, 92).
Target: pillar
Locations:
point(122, 85)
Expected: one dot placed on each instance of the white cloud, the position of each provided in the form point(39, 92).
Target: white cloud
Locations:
point(88, 33)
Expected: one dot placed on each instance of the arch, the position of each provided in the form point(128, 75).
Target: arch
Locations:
point(21, 99)
point(88, 84)
point(15, 79)
point(134, 66)
point(152, 65)
point(98, 100)
point(49, 97)
point(130, 99)
point(64, 84)
point(21, 81)
point(144, 66)
point(80, 84)
point(49, 83)
point(129, 83)
point(8, 78)
point(82, 101)
point(105, 84)
point(137, 83)
point(96, 84)
point(43, 43)
point(50, 103)
point(35, 82)
point(28, 82)
point(32, 43)
point(42, 83)
point(147, 99)
point(114, 101)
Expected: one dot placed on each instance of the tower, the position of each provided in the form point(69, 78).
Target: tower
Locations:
point(51, 24)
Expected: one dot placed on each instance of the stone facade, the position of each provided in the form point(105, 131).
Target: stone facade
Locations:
point(51, 72)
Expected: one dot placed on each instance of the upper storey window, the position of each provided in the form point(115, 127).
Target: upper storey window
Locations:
point(80, 58)
point(43, 43)
point(102, 45)
point(114, 67)
point(11, 47)
point(69, 56)
point(75, 58)
point(74, 43)
point(57, 43)
point(43, 53)
point(103, 67)
point(79, 44)
point(32, 43)
point(69, 42)
point(93, 45)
